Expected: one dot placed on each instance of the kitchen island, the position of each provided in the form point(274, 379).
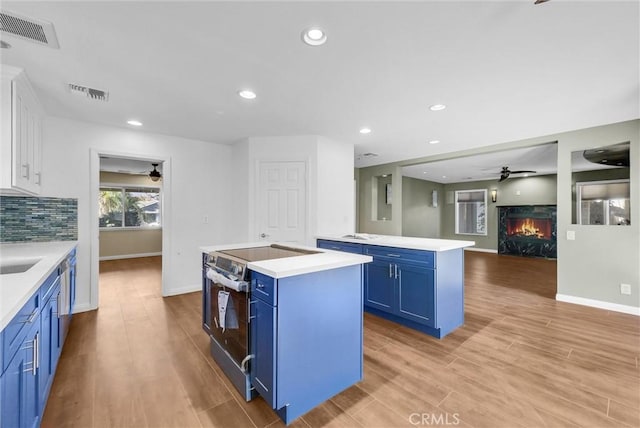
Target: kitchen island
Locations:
point(285, 321)
point(416, 282)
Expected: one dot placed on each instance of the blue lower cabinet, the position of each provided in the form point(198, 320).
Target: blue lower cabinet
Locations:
point(416, 293)
point(264, 348)
point(379, 286)
point(420, 289)
point(19, 383)
point(51, 344)
point(306, 338)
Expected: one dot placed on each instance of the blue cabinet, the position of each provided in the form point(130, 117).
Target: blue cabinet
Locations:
point(420, 289)
point(379, 285)
point(306, 337)
point(30, 346)
point(416, 293)
point(263, 320)
point(348, 247)
point(19, 383)
point(51, 343)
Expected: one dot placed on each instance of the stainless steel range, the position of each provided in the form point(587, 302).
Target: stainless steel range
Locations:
point(226, 309)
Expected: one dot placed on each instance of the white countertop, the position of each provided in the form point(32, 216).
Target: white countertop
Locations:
point(403, 242)
point(17, 288)
point(291, 266)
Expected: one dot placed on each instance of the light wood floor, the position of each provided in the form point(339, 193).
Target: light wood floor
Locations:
point(521, 360)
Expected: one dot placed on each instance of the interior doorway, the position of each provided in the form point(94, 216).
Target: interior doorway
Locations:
point(282, 201)
point(130, 216)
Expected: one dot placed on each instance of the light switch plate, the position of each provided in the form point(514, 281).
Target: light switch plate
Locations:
point(625, 289)
point(571, 235)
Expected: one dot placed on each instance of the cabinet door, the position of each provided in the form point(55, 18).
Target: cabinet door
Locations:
point(416, 296)
point(12, 384)
point(31, 380)
point(379, 286)
point(263, 339)
point(50, 343)
point(21, 167)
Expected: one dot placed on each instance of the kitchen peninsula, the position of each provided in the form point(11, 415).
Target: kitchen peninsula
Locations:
point(285, 321)
point(416, 282)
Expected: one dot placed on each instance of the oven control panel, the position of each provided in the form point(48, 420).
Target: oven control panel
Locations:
point(233, 269)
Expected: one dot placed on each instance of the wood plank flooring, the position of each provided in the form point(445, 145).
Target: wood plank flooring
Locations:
point(521, 360)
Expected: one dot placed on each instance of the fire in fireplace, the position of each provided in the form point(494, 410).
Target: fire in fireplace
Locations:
point(539, 228)
point(527, 230)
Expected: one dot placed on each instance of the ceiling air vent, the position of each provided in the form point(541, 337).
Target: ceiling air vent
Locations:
point(35, 30)
point(94, 94)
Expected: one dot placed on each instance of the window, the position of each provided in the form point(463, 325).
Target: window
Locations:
point(129, 207)
point(471, 216)
point(603, 202)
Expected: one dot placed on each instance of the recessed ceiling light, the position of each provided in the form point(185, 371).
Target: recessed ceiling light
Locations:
point(434, 141)
point(314, 36)
point(437, 107)
point(247, 94)
point(365, 131)
point(444, 176)
point(526, 175)
point(134, 122)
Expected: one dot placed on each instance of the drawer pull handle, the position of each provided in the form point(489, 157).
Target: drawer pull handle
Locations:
point(260, 285)
point(393, 255)
point(390, 270)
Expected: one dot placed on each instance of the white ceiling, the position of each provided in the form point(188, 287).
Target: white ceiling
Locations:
point(542, 159)
point(128, 166)
point(507, 70)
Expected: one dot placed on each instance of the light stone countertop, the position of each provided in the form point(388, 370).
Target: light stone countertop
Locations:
point(17, 288)
point(299, 265)
point(427, 244)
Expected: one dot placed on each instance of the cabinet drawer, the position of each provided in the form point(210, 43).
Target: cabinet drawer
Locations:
point(425, 258)
point(348, 247)
point(15, 332)
point(49, 284)
point(263, 287)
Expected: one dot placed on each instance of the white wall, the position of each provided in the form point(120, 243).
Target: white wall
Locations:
point(200, 177)
point(336, 210)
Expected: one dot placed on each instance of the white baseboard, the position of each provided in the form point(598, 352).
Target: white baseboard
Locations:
point(130, 256)
point(481, 250)
point(84, 307)
point(616, 307)
point(183, 290)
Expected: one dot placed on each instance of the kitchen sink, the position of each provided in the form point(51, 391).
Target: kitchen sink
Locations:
point(17, 266)
point(363, 236)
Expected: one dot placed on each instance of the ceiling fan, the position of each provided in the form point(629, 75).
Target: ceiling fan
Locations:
point(505, 173)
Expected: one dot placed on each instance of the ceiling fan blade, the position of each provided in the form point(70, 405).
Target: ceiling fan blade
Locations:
point(522, 172)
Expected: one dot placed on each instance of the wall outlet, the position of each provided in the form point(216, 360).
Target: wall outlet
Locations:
point(571, 235)
point(517, 193)
point(205, 219)
point(625, 289)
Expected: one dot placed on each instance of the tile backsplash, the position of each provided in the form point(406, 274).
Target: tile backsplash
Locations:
point(38, 219)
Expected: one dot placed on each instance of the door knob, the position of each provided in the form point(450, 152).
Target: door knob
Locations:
point(263, 235)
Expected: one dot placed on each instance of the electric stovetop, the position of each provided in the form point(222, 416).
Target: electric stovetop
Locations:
point(274, 251)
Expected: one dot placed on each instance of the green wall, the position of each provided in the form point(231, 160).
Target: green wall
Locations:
point(538, 190)
point(591, 267)
point(419, 217)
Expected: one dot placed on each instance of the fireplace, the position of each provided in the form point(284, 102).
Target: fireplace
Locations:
point(527, 230)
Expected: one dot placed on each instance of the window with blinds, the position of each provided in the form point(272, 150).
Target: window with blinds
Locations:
point(471, 212)
point(604, 202)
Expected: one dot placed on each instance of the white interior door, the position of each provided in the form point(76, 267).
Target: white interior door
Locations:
point(281, 202)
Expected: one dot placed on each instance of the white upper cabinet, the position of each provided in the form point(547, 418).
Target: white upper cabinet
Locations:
point(21, 134)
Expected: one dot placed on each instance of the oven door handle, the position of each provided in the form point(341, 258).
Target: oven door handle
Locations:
point(245, 361)
point(220, 279)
